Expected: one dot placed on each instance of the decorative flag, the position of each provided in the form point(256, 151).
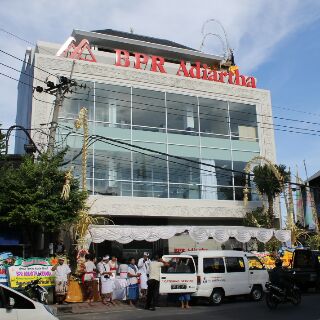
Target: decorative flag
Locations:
point(299, 202)
point(310, 210)
point(290, 210)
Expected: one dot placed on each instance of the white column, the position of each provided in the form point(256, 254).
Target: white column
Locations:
point(188, 119)
point(112, 112)
point(208, 180)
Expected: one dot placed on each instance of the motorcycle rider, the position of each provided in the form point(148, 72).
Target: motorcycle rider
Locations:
point(280, 277)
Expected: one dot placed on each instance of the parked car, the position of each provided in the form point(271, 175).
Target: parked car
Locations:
point(214, 275)
point(306, 265)
point(16, 306)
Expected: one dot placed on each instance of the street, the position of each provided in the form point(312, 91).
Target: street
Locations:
point(239, 309)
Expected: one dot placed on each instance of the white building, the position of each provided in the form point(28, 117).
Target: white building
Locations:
point(163, 96)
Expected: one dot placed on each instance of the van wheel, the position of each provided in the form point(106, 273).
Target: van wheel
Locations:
point(216, 297)
point(256, 293)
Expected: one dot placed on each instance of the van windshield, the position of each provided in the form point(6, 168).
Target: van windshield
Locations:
point(179, 265)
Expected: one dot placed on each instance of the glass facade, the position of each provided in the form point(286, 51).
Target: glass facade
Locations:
point(203, 137)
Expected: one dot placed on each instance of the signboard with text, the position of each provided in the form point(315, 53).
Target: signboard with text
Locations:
point(197, 70)
point(26, 270)
point(20, 276)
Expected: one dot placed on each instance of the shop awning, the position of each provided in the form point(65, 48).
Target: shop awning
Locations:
point(126, 234)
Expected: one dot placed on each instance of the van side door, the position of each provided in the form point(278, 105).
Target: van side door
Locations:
point(213, 275)
point(179, 276)
point(237, 278)
point(258, 274)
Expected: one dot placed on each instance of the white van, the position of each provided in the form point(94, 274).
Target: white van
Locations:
point(214, 274)
point(16, 306)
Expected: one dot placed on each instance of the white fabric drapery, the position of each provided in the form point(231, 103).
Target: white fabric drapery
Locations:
point(126, 234)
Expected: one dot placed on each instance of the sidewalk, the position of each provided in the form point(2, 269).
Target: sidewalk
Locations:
point(83, 307)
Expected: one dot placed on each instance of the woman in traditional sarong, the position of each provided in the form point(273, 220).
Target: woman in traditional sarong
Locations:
point(107, 283)
point(133, 277)
point(88, 278)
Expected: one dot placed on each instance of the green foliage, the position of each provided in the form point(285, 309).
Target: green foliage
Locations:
point(273, 245)
point(269, 185)
point(256, 218)
point(31, 194)
point(313, 242)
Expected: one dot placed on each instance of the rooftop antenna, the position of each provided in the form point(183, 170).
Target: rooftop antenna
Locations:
point(228, 53)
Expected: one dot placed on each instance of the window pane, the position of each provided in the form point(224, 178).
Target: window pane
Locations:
point(216, 193)
point(239, 177)
point(148, 168)
point(243, 121)
point(185, 191)
point(148, 109)
point(214, 117)
point(112, 165)
point(113, 105)
point(255, 263)
point(112, 187)
point(19, 301)
point(184, 171)
point(155, 190)
point(213, 265)
point(73, 102)
point(179, 265)
point(182, 113)
point(213, 176)
point(235, 264)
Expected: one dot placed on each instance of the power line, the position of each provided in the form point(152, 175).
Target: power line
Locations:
point(270, 127)
point(34, 44)
point(27, 84)
point(275, 117)
point(29, 75)
point(193, 104)
point(202, 114)
point(130, 146)
point(24, 61)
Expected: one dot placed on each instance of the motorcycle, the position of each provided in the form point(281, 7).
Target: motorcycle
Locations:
point(36, 292)
point(276, 295)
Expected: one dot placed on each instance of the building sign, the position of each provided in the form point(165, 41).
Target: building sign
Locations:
point(197, 71)
point(181, 250)
point(82, 51)
point(25, 271)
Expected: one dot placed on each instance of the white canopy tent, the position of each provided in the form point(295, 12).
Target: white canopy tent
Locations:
point(126, 234)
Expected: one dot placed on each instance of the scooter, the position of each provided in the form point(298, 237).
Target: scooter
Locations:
point(36, 292)
point(276, 295)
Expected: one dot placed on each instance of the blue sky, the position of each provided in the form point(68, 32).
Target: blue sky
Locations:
point(276, 41)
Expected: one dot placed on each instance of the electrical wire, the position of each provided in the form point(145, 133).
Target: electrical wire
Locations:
point(24, 61)
point(204, 114)
point(29, 75)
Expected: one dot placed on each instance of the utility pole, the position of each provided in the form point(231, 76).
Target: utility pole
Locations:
point(60, 90)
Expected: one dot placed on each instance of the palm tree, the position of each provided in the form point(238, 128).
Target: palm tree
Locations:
point(269, 185)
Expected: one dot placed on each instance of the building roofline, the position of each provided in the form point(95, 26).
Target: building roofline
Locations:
point(117, 42)
point(314, 176)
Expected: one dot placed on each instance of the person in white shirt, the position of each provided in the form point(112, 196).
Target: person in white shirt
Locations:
point(62, 274)
point(88, 278)
point(113, 263)
point(133, 279)
point(154, 282)
point(143, 266)
point(107, 284)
